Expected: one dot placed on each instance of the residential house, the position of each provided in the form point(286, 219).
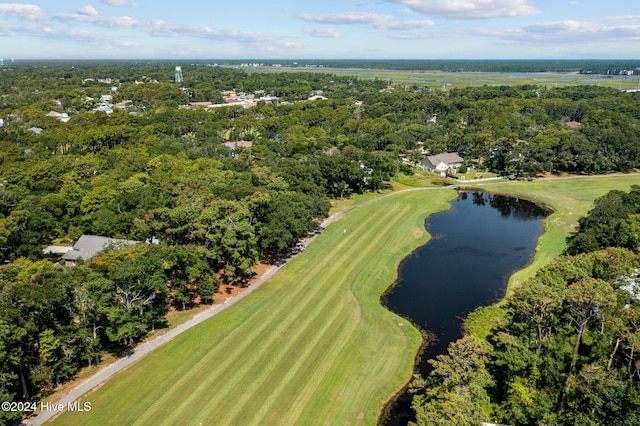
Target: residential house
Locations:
point(104, 107)
point(573, 124)
point(441, 164)
point(64, 117)
point(89, 246)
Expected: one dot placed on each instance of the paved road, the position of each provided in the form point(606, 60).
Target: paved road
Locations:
point(141, 350)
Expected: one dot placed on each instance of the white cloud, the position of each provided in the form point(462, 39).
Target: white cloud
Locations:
point(30, 12)
point(377, 20)
point(103, 21)
point(88, 11)
point(624, 18)
point(345, 18)
point(322, 32)
point(159, 28)
point(405, 25)
point(562, 27)
point(410, 36)
point(43, 31)
point(566, 32)
point(470, 9)
point(118, 2)
point(118, 22)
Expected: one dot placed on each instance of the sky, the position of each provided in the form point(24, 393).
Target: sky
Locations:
point(321, 29)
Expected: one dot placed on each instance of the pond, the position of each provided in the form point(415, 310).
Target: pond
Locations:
point(475, 247)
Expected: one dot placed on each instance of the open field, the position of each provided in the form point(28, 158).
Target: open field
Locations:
point(312, 346)
point(447, 80)
point(570, 199)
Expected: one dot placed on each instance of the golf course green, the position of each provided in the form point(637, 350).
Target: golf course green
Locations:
point(314, 345)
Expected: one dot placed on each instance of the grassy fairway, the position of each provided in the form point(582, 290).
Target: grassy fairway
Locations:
point(570, 199)
point(312, 346)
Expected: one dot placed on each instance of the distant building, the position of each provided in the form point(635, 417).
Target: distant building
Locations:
point(200, 104)
point(441, 164)
point(573, 124)
point(89, 246)
point(178, 74)
point(56, 250)
point(238, 144)
point(105, 107)
point(64, 117)
point(268, 98)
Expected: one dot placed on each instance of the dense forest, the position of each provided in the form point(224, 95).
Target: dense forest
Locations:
point(155, 168)
point(566, 350)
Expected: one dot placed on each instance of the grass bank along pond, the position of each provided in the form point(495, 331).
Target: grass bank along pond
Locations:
point(475, 247)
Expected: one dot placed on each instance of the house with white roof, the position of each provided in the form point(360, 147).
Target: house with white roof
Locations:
point(62, 116)
point(441, 164)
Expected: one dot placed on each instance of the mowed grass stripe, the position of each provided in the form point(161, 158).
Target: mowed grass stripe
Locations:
point(293, 397)
point(251, 369)
point(331, 331)
point(247, 354)
point(193, 384)
point(249, 365)
point(298, 326)
point(375, 378)
point(305, 387)
point(303, 384)
point(242, 341)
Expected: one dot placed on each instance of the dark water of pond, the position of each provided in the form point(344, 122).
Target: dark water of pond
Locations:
point(475, 247)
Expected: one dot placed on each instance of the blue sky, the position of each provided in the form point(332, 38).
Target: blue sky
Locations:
point(271, 29)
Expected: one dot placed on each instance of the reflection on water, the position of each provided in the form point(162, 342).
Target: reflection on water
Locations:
point(480, 242)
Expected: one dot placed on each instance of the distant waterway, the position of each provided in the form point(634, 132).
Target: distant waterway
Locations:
point(475, 247)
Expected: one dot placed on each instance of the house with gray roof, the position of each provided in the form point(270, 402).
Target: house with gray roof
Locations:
point(89, 246)
point(441, 164)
